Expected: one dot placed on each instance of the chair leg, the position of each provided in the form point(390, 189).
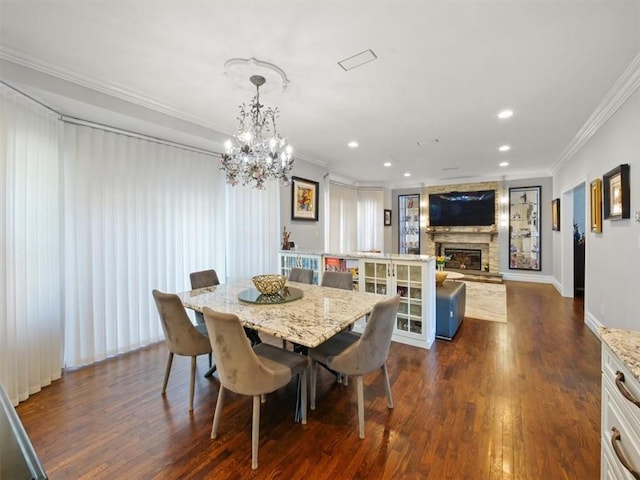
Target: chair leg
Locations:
point(192, 385)
point(217, 413)
point(303, 395)
point(312, 372)
point(360, 385)
point(387, 385)
point(255, 432)
point(210, 360)
point(166, 373)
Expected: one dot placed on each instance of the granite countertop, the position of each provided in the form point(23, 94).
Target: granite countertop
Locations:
point(379, 255)
point(626, 345)
point(318, 315)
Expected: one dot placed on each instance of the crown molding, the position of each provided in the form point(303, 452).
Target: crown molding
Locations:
point(11, 55)
point(626, 85)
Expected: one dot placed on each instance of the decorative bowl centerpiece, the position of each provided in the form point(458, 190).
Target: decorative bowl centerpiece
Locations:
point(270, 283)
point(440, 277)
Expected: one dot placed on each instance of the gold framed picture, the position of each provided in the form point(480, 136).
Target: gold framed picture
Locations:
point(617, 193)
point(596, 206)
point(555, 214)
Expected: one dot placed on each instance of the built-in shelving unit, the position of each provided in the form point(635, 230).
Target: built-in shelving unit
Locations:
point(524, 228)
point(409, 224)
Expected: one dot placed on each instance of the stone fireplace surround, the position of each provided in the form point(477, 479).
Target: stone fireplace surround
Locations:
point(483, 238)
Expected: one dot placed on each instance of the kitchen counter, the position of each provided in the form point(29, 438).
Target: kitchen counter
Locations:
point(625, 344)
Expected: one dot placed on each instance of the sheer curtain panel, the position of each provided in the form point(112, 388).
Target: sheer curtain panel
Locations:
point(30, 250)
point(138, 215)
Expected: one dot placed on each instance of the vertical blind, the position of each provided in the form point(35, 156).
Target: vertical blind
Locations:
point(30, 248)
point(252, 231)
point(370, 220)
point(355, 219)
point(341, 226)
point(138, 215)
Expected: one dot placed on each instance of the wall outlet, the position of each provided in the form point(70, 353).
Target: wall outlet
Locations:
point(637, 216)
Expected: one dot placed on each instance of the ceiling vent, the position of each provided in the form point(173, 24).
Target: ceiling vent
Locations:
point(357, 60)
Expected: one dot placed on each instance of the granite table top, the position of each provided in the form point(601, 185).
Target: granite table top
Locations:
point(317, 316)
point(626, 346)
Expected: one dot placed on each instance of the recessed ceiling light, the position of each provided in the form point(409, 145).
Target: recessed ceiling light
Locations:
point(407, 174)
point(504, 164)
point(387, 164)
point(353, 144)
point(505, 114)
point(504, 148)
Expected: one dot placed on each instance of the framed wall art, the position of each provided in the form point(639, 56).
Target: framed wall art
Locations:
point(387, 218)
point(595, 205)
point(304, 199)
point(555, 214)
point(616, 193)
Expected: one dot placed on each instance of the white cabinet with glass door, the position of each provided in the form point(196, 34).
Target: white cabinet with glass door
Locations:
point(415, 322)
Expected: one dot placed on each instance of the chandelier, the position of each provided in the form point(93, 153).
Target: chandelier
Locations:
point(257, 152)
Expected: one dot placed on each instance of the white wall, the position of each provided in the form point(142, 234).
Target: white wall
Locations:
point(307, 235)
point(612, 285)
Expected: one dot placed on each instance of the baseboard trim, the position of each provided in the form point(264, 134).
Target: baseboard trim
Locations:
point(593, 323)
point(521, 277)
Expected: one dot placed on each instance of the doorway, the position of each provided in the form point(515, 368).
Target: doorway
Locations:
point(579, 235)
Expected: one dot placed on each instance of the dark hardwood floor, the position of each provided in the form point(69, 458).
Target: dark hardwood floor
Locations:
point(501, 401)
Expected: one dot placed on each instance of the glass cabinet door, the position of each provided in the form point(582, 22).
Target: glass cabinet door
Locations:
point(409, 224)
point(524, 228)
point(376, 277)
point(409, 287)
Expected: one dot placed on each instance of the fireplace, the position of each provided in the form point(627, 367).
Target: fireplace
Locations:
point(464, 258)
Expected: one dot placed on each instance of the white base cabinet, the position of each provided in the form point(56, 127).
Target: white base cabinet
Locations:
point(620, 440)
point(415, 323)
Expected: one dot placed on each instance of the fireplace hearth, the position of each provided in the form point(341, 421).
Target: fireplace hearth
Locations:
point(464, 258)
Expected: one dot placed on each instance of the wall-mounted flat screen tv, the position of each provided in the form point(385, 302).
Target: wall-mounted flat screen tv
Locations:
point(461, 209)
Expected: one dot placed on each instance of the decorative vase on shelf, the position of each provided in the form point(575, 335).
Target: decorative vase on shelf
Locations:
point(440, 266)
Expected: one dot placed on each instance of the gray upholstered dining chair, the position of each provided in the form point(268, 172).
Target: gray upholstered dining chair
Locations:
point(181, 336)
point(247, 370)
point(343, 280)
point(359, 355)
point(202, 279)
point(301, 275)
point(209, 278)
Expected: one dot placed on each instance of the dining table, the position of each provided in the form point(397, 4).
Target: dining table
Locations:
point(302, 314)
point(315, 315)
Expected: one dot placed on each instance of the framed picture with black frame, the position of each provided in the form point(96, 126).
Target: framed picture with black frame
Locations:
point(616, 201)
point(304, 199)
point(387, 218)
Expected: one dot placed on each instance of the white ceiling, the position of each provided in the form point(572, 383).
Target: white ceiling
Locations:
point(444, 70)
